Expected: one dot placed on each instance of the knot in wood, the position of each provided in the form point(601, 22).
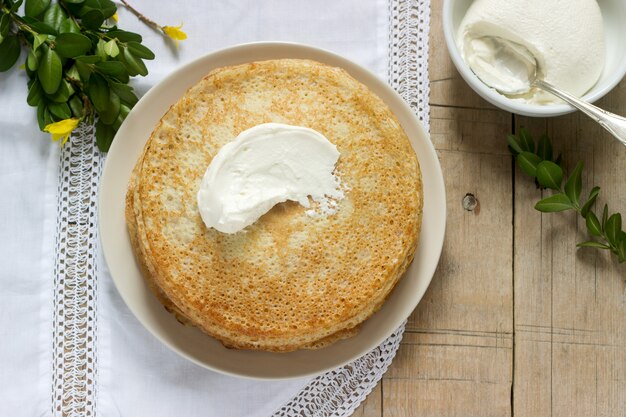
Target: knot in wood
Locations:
point(469, 202)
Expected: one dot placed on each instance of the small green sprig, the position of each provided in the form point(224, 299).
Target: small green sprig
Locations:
point(537, 161)
point(78, 63)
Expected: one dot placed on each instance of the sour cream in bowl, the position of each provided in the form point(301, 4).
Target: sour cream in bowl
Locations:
point(577, 45)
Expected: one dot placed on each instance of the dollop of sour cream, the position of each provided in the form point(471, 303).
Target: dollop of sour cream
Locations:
point(564, 37)
point(265, 165)
point(503, 65)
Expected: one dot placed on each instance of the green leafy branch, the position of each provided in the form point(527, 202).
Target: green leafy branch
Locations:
point(78, 63)
point(537, 161)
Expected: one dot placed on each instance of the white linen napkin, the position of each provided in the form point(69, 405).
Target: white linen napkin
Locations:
point(134, 374)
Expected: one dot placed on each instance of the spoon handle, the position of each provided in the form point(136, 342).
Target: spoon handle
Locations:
point(616, 125)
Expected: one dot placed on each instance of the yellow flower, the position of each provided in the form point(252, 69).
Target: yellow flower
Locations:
point(115, 17)
point(62, 129)
point(175, 33)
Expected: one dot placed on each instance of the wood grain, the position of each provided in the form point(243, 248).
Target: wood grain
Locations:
point(517, 320)
point(456, 358)
point(570, 309)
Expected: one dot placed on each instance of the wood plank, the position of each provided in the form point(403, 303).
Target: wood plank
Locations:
point(373, 404)
point(470, 292)
point(569, 347)
point(570, 305)
point(470, 130)
point(438, 374)
point(447, 88)
point(456, 357)
point(457, 352)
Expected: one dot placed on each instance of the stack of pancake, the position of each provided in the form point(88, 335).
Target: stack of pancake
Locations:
point(290, 280)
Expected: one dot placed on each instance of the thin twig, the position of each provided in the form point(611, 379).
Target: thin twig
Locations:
point(141, 17)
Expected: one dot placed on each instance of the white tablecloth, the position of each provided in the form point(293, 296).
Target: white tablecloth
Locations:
point(134, 374)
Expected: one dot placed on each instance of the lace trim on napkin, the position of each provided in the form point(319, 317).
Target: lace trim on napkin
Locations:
point(74, 377)
point(339, 392)
point(75, 278)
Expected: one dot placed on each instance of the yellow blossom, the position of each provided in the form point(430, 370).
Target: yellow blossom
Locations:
point(115, 17)
point(62, 129)
point(175, 33)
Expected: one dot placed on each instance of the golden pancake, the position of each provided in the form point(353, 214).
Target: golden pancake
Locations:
point(289, 280)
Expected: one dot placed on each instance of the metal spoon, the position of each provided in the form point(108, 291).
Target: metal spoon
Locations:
point(613, 123)
point(512, 56)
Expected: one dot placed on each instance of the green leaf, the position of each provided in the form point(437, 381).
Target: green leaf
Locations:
point(526, 141)
point(123, 78)
point(593, 244)
point(513, 144)
point(60, 110)
point(593, 224)
point(63, 93)
point(47, 116)
point(38, 40)
point(5, 25)
point(104, 136)
point(593, 195)
point(9, 52)
point(69, 26)
point(124, 36)
point(35, 93)
point(43, 28)
point(554, 203)
point(98, 92)
point(124, 110)
point(605, 216)
point(528, 162)
point(76, 105)
point(110, 113)
point(118, 122)
point(111, 48)
point(72, 73)
point(54, 16)
point(32, 61)
point(74, 1)
point(112, 68)
point(92, 19)
point(139, 50)
point(88, 59)
point(70, 45)
point(549, 175)
point(84, 71)
point(106, 7)
point(41, 108)
point(613, 228)
point(137, 65)
point(29, 73)
point(34, 8)
point(125, 92)
point(622, 250)
point(39, 26)
point(16, 5)
point(544, 148)
point(100, 52)
point(573, 186)
point(49, 71)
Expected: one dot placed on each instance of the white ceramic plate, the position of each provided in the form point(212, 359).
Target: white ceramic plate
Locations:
point(190, 342)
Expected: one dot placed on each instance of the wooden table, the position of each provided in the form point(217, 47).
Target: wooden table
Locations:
point(517, 321)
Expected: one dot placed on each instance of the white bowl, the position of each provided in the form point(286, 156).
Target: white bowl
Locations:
point(614, 16)
point(190, 342)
